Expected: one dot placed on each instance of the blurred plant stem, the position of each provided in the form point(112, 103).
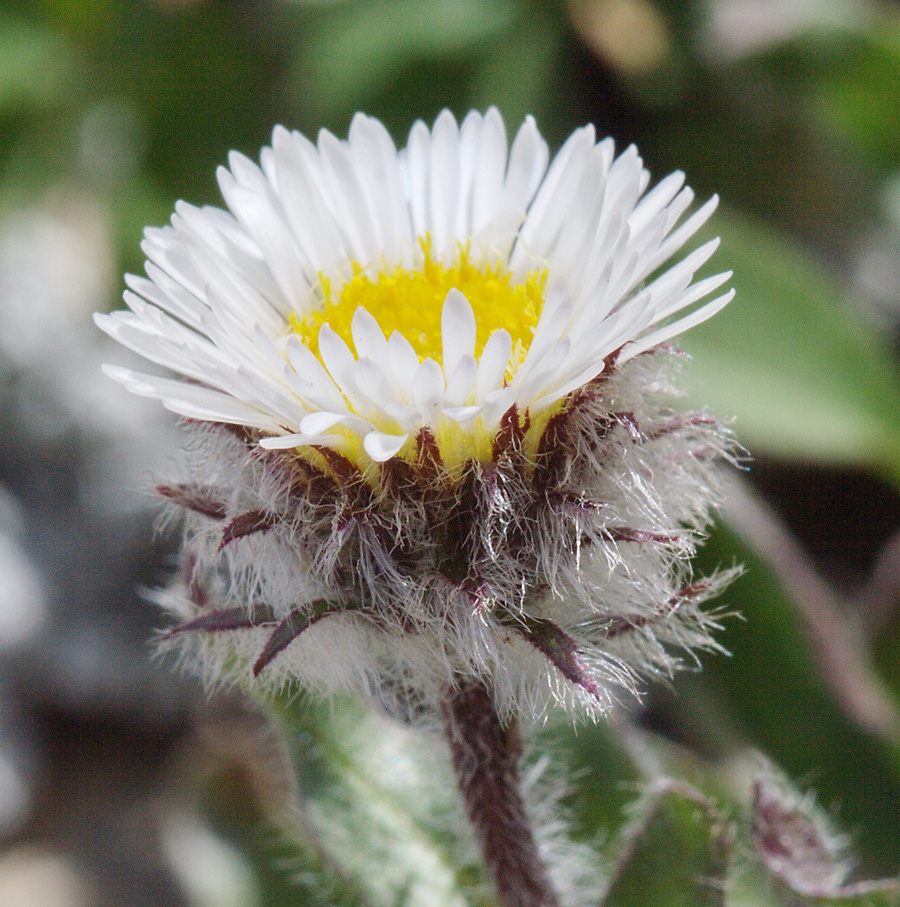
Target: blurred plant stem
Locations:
point(879, 598)
point(486, 756)
point(844, 663)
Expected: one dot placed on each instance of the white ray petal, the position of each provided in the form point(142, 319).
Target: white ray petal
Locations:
point(443, 187)
point(368, 338)
point(192, 400)
point(286, 442)
point(402, 360)
point(414, 168)
point(583, 218)
point(680, 236)
point(544, 371)
point(493, 363)
point(527, 163)
point(460, 381)
point(495, 404)
point(470, 163)
point(487, 188)
point(553, 321)
point(340, 363)
point(166, 294)
point(308, 377)
point(261, 218)
point(163, 249)
point(306, 209)
point(380, 446)
point(548, 211)
point(160, 344)
point(684, 269)
point(457, 329)
point(314, 396)
point(347, 198)
point(258, 388)
point(376, 161)
point(677, 327)
point(315, 424)
point(428, 390)
point(372, 382)
point(336, 356)
point(655, 200)
point(678, 206)
point(461, 414)
point(625, 181)
point(406, 416)
point(579, 379)
point(693, 294)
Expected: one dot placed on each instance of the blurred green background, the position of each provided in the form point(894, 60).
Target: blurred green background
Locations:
point(120, 783)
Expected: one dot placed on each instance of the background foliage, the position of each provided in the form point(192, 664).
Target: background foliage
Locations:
point(120, 784)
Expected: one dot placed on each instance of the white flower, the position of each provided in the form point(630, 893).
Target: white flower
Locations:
point(448, 441)
point(516, 281)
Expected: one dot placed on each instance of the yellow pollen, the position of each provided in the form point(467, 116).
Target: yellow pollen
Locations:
point(410, 302)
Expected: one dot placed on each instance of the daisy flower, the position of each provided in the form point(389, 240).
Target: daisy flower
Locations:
point(433, 429)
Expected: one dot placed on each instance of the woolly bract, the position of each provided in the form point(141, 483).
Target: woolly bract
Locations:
point(432, 431)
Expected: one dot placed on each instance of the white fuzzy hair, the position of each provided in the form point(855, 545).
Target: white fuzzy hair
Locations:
point(560, 576)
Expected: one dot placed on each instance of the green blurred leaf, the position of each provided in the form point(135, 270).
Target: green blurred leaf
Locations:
point(87, 20)
point(354, 49)
point(772, 693)
point(382, 803)
point(287, 864)
point(861, 95)
point(883, 897)
point(861, 894)
point(752, 886)
point(847, 75)
point(37, 67)
point(677, 853)
point(601, 776)
point(293, 870)
point(802, 377)
point(519, 73)
point(202, 78)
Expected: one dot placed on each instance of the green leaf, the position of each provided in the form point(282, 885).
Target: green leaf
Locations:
point(801, 376)
point(863, 896)
point(849, 78)
point(38, 68)
point(861, 95)
point(381, 801)
point(773, 697)
point(752, 885)
point(286, 862)
point(520, 72)
point(356, 48)
point(677, 853)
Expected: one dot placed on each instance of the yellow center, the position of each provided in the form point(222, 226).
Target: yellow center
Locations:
point(410, 302)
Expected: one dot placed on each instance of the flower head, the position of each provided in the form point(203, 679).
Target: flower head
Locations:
point(430, 410)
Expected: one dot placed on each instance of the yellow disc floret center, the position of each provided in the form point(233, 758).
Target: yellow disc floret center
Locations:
point(410, 300)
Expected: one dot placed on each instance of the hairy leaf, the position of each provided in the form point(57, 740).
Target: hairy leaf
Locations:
point(676, 853)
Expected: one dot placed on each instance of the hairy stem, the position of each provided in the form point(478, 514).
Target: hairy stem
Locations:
point(486, 759)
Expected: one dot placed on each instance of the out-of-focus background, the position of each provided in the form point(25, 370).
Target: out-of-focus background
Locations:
point(121, 783)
